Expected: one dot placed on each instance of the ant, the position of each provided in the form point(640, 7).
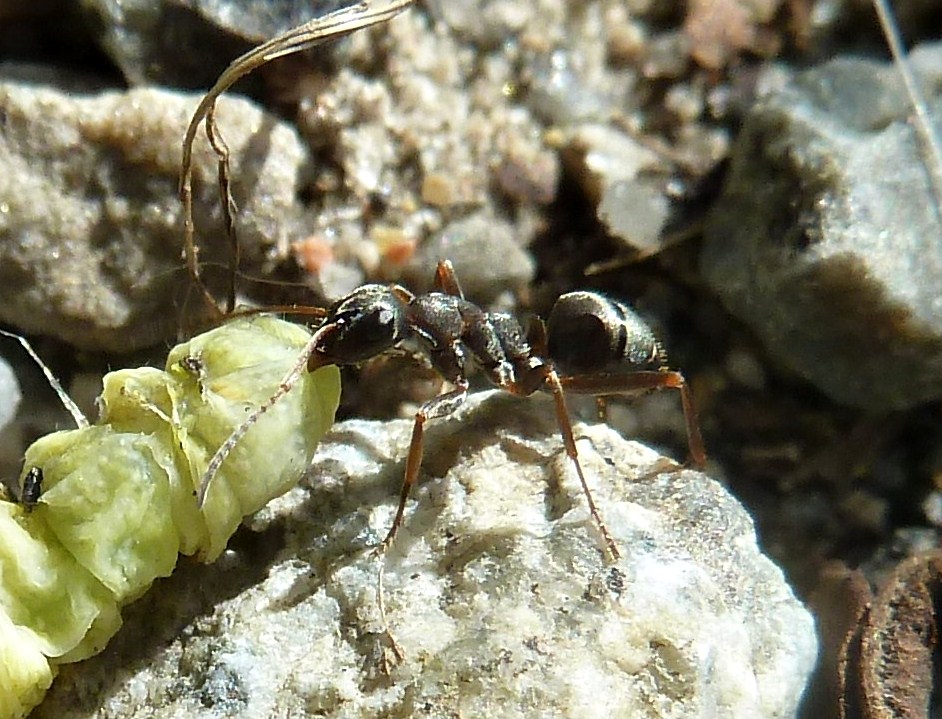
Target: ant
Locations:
point(591, 344)
point(32, 488)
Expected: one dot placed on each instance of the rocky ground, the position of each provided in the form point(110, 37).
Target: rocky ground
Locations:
point(742, 172)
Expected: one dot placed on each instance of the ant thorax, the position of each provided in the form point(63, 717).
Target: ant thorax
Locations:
point(460, 338)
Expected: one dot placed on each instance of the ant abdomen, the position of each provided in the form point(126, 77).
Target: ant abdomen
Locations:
point(589, 333)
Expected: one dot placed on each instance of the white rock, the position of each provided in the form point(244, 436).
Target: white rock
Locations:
point(497, 591)
point(9, 394)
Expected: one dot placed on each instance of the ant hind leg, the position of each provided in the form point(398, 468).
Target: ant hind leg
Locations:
point(569, 440)
point(615, 384)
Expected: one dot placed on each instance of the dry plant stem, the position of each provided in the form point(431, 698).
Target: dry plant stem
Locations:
point(334, 25)
point(931, 145)
point(81, 421)
point(229, 207)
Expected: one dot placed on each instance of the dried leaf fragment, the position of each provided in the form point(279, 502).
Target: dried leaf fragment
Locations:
point(898, 642)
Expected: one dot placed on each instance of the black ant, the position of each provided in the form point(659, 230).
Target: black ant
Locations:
point(591, 344)
point(32, 488)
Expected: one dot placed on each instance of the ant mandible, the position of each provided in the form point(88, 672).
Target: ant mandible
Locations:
point(591, 344)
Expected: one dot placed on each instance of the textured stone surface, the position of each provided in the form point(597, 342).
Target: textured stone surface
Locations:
point(454, 108)
point(497, 589)
point(144, 38)
point(90, 223)
point(828, 240)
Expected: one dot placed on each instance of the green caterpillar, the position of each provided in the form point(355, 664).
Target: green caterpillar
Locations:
point(118, 500)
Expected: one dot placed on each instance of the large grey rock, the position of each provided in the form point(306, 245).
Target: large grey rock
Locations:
point(91, 229)
point(497, 588)
point(828, 239)
point(486, 256)
point(189, 42)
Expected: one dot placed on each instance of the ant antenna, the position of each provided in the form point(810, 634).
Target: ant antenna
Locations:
point(285, 386)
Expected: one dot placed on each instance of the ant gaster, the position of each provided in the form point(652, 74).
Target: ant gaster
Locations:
point(590, 345)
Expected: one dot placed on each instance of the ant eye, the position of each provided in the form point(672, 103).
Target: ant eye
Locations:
point(370, 328)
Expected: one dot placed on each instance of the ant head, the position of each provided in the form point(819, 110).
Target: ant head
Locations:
point(363, 324)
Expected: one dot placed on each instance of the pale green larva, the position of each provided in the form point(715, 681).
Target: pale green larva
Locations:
point(118, 501)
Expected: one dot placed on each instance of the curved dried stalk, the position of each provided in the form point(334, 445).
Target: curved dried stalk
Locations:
point(333, 25)
point(81, 421)
point(923, 121)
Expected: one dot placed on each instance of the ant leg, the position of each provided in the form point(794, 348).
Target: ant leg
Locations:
point(437, 407)
point(446, 280)
point(614, 383)
point(565, 428)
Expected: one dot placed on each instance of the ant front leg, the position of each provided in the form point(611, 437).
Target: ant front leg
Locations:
point(614, 384)
point(439, 406)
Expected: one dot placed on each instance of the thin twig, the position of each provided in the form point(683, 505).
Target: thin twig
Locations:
point(334, 25)
point(931, 145)
point(80, 419)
